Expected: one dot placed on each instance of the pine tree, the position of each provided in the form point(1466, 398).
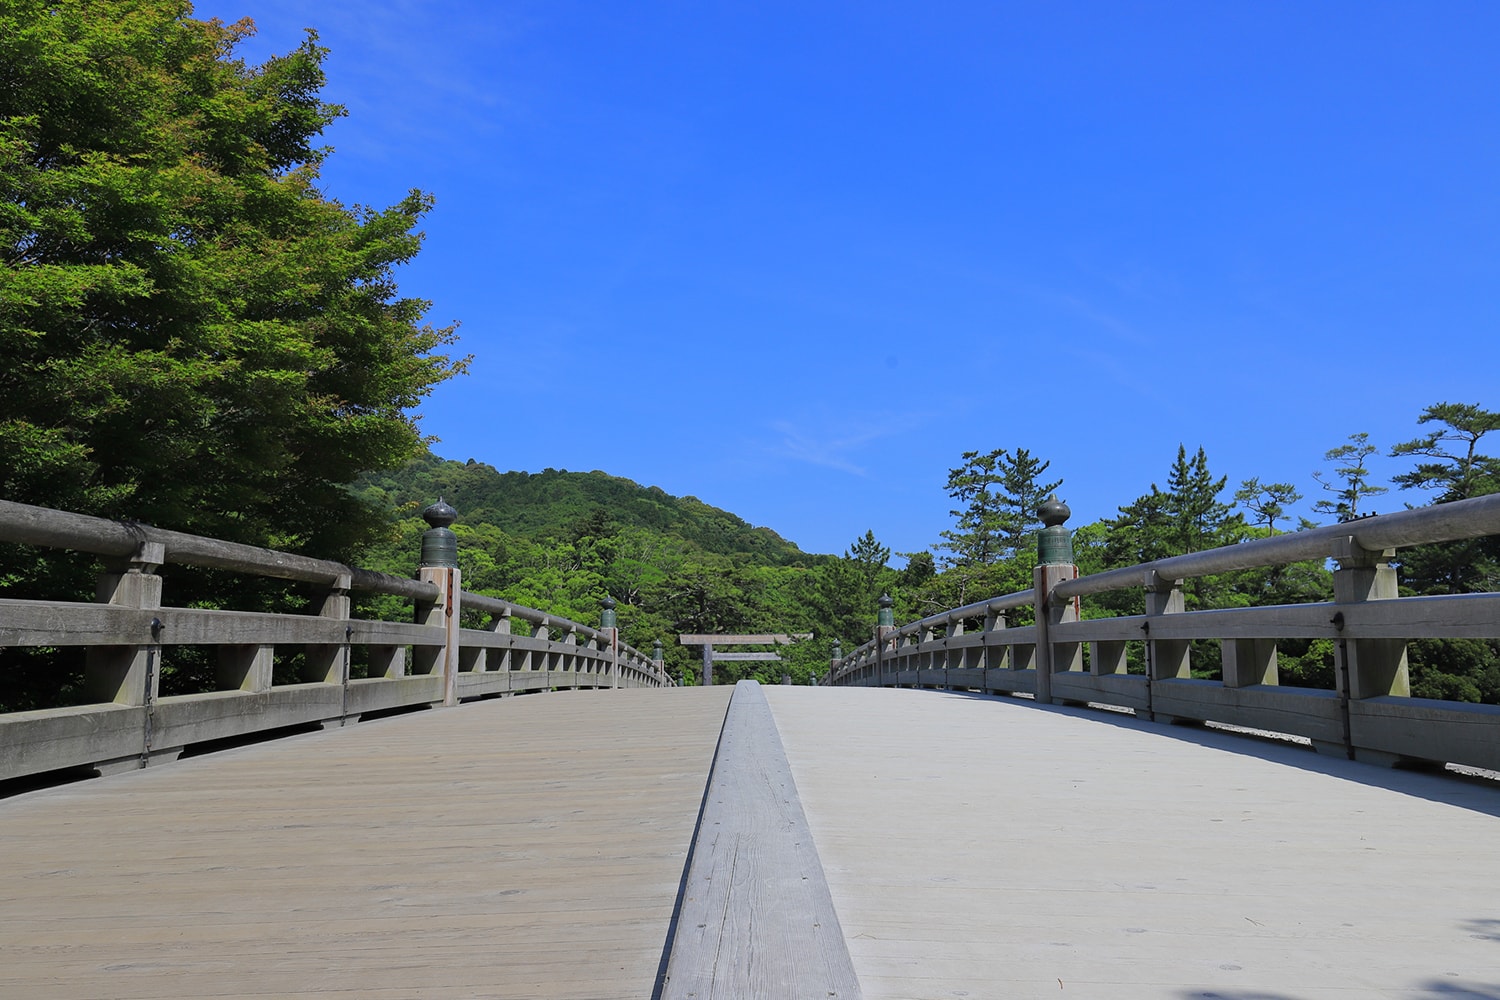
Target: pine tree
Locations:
point(1198, 520)
point(1020, 496)
point(1355, 475)
point(1457, 474)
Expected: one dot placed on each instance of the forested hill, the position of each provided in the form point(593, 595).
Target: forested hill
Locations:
point(565, 506)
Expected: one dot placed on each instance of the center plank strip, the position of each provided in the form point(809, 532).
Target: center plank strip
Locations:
point(757, 919)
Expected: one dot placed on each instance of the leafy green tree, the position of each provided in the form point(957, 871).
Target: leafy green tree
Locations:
point(975, 539)
point(1143, 531)
point(849, 587)
point(1021, 494)
point(1197, 519)
point(1268, 502)
point(1355, 476)
point(1186, 517)
point(1455, 473)
point(999, 494)
point(191, 332)
point(870, 557)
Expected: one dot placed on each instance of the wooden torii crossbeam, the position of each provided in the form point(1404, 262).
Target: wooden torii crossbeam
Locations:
point(708, 642)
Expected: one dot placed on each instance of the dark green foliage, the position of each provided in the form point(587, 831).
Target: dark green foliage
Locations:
point(1354, 479)
point(1455, 669)
point(1267, 502)
point(573, 505)
point(1457, 471)
point(191, 333)
point(562, 541)
point(995, 525)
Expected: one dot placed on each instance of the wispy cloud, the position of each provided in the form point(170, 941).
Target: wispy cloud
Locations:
point(838, 447)
point(1096, 317)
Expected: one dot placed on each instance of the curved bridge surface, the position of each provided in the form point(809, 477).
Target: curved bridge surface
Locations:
point(972, 846)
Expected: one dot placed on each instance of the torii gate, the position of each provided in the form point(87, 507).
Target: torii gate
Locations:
point(708, 642)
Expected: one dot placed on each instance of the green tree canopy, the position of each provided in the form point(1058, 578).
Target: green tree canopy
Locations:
point(1456, 471)
point(999, 494)
point(191, 332)
point(1355, 477)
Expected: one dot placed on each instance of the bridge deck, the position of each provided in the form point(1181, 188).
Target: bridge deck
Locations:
point(985, 847)
point(974, 847)
point(529, 847)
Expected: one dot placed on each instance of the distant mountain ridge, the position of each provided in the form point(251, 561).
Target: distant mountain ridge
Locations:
point(563, 505)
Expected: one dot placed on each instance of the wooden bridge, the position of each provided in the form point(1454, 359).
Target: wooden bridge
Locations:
point(909, 831)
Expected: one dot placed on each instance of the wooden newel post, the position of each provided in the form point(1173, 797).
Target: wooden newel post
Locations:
point(323, 663)
point(610, 624)
point(439, 567)
point(1054, 565)
point(129, 675)
point(1371, 668)
point(885, 622)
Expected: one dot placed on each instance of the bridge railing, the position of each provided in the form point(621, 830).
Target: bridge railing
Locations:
point(1369, 714)
point(128, 634)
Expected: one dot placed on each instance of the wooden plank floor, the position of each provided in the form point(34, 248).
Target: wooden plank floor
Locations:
point(528, 847)
point(985, 847)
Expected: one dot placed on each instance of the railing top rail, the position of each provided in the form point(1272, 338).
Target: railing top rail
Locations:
point(977, 609)
point(984, 608)
point(500, 606)
point(1472, 518)
point(1445, 522)
point(24, 524)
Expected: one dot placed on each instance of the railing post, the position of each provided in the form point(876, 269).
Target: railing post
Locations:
point(541, 630)
point(323, 663)
point(570, 658)
point(834, 662)
point(1370, 668)
point(1054, 565)
point(1250, 662)
point(129, 674)
point(658, 663)
point(439, 567)
point(994, 621)
point(609, 622)
point(245, 666)
point(885, 620)
point(953, 631)
point(1166, 659)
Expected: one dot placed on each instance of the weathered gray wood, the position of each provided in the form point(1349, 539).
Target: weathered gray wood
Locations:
point(1294, 711)
point(39, 623)
point(1471, 518)
point(757, 919)
point(1124, 690)
point(1455, 616)
point(1427, 730)
point(990, 848)
point(28, 525)
point(979, 609)
point(757, 657)
point(482, 851)
point(215, 715)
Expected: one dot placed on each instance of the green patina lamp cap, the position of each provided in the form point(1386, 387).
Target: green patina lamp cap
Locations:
point(440, 515)
point(1054, 512)
point(887, 601)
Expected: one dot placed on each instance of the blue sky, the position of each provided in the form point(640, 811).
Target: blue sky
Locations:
point(795, 258)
